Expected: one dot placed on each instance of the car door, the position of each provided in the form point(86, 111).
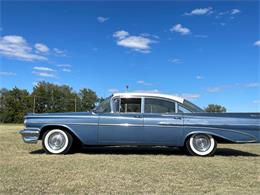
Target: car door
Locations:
point(124, 125)
point(162, 125)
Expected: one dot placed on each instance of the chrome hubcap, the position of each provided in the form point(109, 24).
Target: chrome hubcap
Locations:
point(56, 141)
point(201, 143)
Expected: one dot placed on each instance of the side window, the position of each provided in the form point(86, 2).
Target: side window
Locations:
point(130, 105)
point(159, 106)
point(182, 109)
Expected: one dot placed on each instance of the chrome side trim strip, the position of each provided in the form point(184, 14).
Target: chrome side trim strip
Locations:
point(221, 129)
point(123, 124)
point(62, 116)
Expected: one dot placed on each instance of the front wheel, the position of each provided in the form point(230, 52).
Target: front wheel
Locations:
point(201, 145)
point(57, 141)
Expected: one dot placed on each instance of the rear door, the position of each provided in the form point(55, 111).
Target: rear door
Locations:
point(162, 124)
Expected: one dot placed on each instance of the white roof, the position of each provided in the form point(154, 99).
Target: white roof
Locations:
point(145, 94)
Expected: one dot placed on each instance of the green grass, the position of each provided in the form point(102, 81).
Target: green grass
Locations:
point(24, 168)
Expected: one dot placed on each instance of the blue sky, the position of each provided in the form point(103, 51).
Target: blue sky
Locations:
point(205, 51)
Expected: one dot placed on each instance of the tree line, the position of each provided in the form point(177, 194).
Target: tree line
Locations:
point(48, 97)
point(45, 97)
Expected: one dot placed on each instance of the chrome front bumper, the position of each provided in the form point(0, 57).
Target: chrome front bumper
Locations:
point(30, 135)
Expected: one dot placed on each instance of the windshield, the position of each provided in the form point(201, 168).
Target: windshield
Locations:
point(192, 107)
point(104, 106)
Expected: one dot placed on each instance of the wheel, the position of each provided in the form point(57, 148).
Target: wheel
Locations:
point(201, 145)
point(56, 141)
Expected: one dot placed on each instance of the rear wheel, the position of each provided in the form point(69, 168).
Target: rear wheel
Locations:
point(201, 145)
point(57, 141)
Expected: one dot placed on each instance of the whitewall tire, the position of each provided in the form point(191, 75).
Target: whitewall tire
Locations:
point(201, 145)
point(57, 141)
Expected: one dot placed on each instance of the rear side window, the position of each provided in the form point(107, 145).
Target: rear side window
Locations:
point(182, 109)
point(130, 105)
point(158, 106)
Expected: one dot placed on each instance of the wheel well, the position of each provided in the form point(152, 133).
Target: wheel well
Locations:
point(49, 127)
point(217, 138)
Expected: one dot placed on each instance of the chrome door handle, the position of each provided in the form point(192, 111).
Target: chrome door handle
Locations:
point(177, 117)
point(138, 116)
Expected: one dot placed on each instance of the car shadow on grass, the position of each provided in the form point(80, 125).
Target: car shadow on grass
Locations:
point(123, 150)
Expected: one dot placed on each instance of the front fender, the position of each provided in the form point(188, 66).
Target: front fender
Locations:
point(61, 126)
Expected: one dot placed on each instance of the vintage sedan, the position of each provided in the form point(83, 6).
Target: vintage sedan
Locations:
point(142, 119)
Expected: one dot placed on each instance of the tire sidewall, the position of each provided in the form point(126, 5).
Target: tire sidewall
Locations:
point(194, 152)
point(65, 149)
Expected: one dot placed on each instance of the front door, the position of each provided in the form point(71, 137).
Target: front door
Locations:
point(125, 125)
point(162, 125)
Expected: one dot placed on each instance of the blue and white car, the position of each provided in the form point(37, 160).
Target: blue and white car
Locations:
point(142, 119)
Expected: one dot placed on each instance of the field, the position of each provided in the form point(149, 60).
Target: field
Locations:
point(24, 168)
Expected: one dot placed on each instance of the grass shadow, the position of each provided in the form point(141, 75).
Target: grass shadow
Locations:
point(131, 150)
point(233, 152)
point(157, 151)
point(40, 151)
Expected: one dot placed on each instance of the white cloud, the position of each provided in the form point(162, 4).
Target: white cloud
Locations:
point(102, 19)
point(44, 74)
point(180, 29)
point(176, 61)
point(252, 85)
point(149, 35)
point(234, 11)
point(66, 70)
point(190, 96)
point(199, 11)
point(113, 90)
point(121, 34)
point(42, 68)
point(142, 82)
point(199, 77)
point(41, 47)
point(148, 91)
point(7, 74)
point(257, 43)
point(59, 52)
point(231, 86)
point(14, 46)
point(64, 65)
point(229, 13)
point(137, 43)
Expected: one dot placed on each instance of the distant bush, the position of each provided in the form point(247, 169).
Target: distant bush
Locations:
point(215, 108)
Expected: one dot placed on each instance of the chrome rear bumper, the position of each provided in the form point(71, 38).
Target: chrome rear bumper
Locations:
point(30, 135)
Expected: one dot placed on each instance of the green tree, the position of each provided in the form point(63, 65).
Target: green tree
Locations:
point(215, 108)
point(88, 99)
point(53, 98)
point(15, 104)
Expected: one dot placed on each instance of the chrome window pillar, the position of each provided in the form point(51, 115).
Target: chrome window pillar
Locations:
point(142, 104)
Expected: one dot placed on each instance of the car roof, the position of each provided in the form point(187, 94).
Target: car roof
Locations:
point(145, 94)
